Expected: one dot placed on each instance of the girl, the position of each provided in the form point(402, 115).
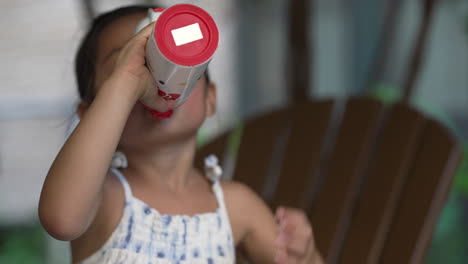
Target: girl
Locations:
point(159, 208)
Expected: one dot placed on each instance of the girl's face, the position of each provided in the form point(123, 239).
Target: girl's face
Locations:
point(141, 129)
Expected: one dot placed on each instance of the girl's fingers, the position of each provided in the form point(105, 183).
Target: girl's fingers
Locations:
point(143, 35)
point(132, 56)
point(301, 242)
point(295, 232)
point(311, 257)
point(281, 238)
point(280, 212)
point(146, 31)
point(297, 239)
point(281, 257)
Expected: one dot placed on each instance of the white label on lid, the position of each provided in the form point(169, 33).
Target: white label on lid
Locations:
point(187, 34)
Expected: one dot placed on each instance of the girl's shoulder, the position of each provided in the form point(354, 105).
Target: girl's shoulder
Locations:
point(244, 205)
point(239, 195)
point(235, 188)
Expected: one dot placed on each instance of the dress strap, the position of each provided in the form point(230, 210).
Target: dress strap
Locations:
point(218, 191)
point(212, 170)
point(126, 186)
point(223, 212)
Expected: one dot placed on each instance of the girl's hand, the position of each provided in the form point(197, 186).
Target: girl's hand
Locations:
point(295, 241)
point(131, 72)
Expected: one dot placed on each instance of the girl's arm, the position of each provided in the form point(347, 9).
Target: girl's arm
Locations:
point(73, 187)
point(72, 190)
point(288, 242)
point(253, 222)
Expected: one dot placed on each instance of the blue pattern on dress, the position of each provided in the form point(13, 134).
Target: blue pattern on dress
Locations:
point(220, 251)
point(166, 219)
point(196, 253)
point(129, 232)
point(138, 247)
point(147, 210)
point(145, 236)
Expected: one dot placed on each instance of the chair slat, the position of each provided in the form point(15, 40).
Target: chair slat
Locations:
point(216, 146)
point(332, 209)
point(424, 194)
point(259, 143)
point(310, 122)
point(378, 193)
point(397, 144)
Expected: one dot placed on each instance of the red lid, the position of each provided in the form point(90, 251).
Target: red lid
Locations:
point(192, 28)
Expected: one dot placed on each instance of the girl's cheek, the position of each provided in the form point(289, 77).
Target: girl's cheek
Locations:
point(195, 104)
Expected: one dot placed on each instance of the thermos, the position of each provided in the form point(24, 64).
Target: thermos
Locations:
point(182, 43)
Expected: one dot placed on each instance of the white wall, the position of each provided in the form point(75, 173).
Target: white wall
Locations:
point(37, 46)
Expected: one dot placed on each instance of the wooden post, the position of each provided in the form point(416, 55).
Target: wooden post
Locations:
point(299, 65)
point(419, 48)
point(380, 60)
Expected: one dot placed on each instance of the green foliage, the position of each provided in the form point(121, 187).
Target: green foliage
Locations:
point(450, 243)
point(386, 93)
point(235, 139)
point(461, 178)
point(22, 245)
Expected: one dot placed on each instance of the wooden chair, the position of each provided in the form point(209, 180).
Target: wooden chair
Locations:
point(372, 177)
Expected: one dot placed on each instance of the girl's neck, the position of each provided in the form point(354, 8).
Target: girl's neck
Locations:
point(170, 165)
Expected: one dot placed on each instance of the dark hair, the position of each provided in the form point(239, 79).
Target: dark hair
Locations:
point(85, 60)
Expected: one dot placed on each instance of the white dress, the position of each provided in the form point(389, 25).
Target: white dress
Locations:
point(145, 236)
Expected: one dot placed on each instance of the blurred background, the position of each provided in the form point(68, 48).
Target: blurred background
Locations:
point(414, 50)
